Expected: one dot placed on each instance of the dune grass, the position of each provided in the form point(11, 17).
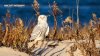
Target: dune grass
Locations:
point(17, 36)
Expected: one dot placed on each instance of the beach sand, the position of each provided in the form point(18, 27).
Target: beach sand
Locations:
point(7, 51)
point(48, 48)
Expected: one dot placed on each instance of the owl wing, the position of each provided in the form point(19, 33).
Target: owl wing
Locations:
point(47, 32)
point(37, 32)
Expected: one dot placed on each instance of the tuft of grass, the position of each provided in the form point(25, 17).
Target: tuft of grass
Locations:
point(17, 35)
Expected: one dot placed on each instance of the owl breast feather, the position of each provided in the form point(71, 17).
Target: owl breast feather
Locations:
point(39, 31)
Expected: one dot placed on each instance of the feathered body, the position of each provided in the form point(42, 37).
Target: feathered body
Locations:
point(41, 30)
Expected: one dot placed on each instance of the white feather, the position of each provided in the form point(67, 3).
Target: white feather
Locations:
point(41, 30)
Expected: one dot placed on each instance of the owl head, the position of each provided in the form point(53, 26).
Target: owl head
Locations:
point(42, 19)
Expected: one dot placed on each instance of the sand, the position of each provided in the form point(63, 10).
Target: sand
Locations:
point(7, 51)
point(42, 49)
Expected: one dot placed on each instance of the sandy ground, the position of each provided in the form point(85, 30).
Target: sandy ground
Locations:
point(42, 49)
point(5, 51)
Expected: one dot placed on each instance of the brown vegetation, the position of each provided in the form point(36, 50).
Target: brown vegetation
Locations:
point(17, 36)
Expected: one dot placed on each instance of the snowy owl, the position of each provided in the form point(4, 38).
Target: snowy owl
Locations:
point(41, 30)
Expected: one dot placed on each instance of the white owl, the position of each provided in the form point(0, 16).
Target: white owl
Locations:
point(41, 30)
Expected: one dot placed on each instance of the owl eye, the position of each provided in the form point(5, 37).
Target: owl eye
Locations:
point(40, 17)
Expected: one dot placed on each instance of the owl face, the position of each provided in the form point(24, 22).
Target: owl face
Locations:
point(42, 18)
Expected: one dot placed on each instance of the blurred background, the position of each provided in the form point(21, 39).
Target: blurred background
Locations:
point(68, 7)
